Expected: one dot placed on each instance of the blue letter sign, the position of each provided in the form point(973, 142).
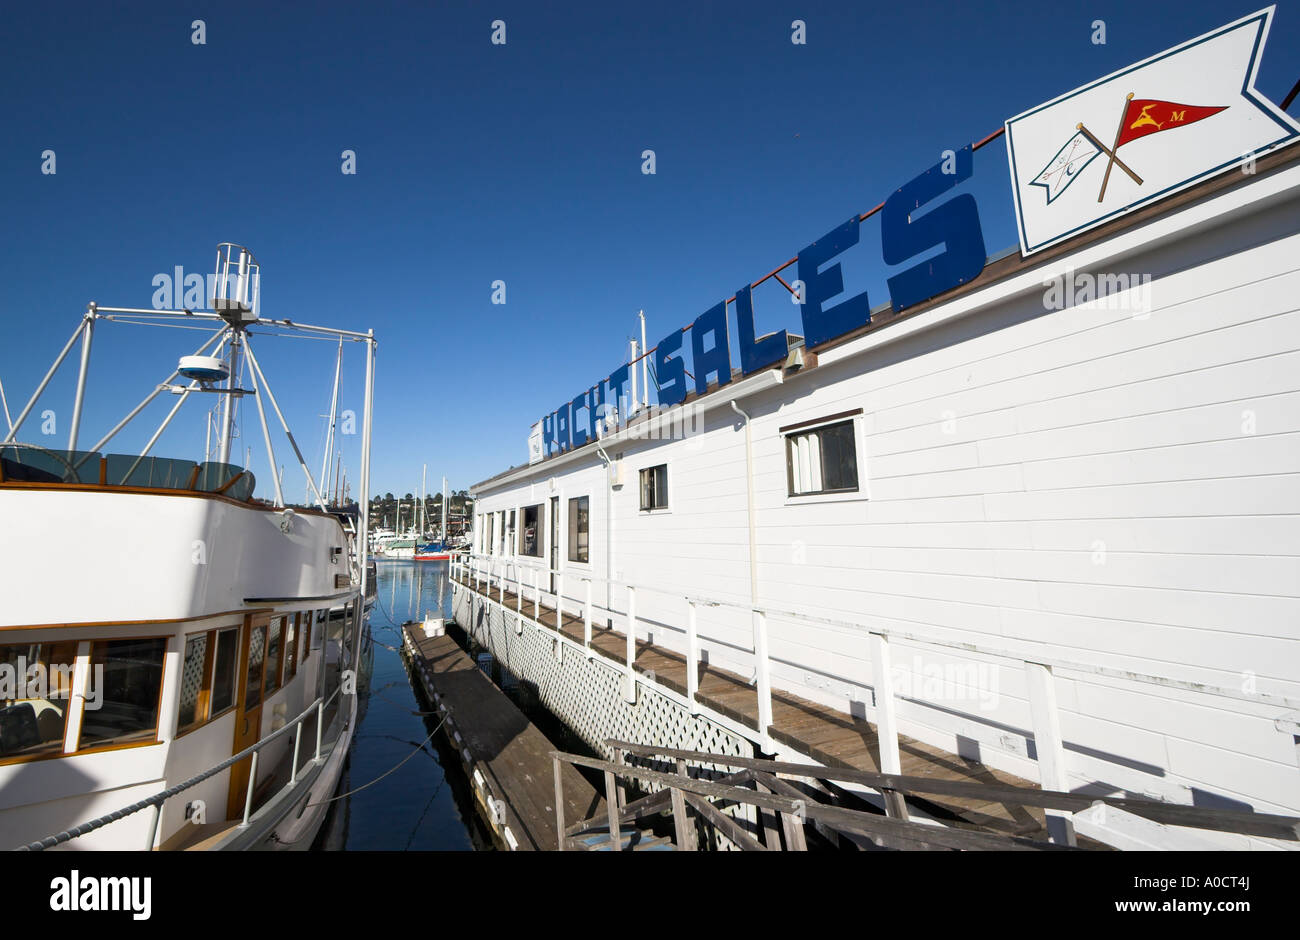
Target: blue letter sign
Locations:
point(956, 223)
point(755, 354)
point(670, 372)
point(821, 324)
point(717, 359)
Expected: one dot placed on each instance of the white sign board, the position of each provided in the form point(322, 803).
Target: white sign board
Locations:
point(1143, 133)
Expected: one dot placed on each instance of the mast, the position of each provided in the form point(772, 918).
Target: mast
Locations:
point(424, 481)
point(334, 409)
point(444, 512)
point(645, 365)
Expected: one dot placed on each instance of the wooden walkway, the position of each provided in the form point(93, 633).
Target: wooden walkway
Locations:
point(827, 736)
point(507, 759)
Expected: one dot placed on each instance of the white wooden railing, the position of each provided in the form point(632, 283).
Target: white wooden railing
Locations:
point(1040, 665)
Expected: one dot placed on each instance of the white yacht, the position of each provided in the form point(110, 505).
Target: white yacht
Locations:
point(190, 683)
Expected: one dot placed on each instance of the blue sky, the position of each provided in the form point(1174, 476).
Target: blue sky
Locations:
point(479, 162)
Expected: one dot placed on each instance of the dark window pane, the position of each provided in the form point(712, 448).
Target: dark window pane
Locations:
point(839, 458)
point(223, 672)
point(274, 647)
point(578, 516)
point(530, 541)
point(36, 687)
point(125, 706)
point(290, 650)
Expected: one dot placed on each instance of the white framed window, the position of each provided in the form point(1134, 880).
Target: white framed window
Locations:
point(825, 458)
point(654, 488)
point(579, 520)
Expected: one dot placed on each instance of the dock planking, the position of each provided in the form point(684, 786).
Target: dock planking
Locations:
point(827, 736)
point(496, 740)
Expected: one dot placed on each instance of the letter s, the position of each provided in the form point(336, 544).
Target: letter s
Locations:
point(954, 224)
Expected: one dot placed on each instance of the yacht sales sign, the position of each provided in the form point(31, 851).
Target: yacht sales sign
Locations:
point(1092, 155)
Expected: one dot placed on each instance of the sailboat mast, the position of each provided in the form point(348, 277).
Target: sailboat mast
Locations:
point(444, 511)
point(424, 481)
point(334, 409)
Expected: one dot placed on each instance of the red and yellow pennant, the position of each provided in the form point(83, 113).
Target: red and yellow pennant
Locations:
point(1146, 116)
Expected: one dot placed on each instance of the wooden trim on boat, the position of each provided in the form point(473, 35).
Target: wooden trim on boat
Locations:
point(135, 623)
point(159, 491)
point(221, 490)
point(97, 749)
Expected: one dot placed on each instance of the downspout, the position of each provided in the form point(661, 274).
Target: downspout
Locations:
point(609, 532)
point(749, 492)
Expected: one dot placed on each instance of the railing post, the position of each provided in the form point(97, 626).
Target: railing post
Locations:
point(764, 676)
point(153, 827)
point(559, 600)
point(692, 656)
point(297, 744)
point(248, 798)
point(629, 693)
point(501, 585)
point(1050, 745)
point(559, 806)
point(320, 721)
point(887, 722)
point(611, 812)
point(519, 601)
point(586, 619)
point(621, 760)
point(537, 596)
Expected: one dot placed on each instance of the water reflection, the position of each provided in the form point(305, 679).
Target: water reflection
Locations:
point(418, 806)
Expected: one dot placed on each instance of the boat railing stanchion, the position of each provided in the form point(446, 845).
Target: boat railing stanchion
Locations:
point(297, 748)
point(629, 693)
point(537, 597)
point(153, 827)
point(559, 618)
point(248, 797)
point(501, 584)
point(692, 656)
point(320, 722)
point(586, 618)
point(519, 600)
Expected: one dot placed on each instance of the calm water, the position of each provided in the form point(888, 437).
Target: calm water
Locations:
point(417, 807)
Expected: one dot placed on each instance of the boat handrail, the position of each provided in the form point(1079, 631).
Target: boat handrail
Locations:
point(158, 799)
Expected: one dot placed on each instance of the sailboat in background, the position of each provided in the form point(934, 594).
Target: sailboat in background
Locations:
point(437, 550)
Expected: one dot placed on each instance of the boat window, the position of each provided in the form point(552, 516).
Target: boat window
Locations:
point(654, 487)
point(35, 689)
point(822, 460)
point(193, 674)
point(223, 670)
point(124, 708)
point(578, 535)
point(274, 654)
point(530, 533)
point(256, 660)
point(291, 647)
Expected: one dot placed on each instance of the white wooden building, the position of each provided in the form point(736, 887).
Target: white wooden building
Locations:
point(1110, 488)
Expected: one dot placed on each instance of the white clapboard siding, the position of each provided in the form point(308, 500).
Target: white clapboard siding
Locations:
point(1084, 485)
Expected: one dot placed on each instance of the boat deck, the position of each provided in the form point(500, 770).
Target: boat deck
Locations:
point(824, 735)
